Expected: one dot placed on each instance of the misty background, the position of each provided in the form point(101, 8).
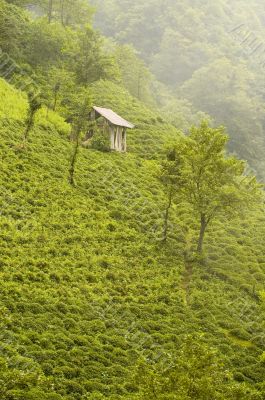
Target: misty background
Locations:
point(207, 56)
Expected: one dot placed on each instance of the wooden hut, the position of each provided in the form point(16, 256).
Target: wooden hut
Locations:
point(113, 125)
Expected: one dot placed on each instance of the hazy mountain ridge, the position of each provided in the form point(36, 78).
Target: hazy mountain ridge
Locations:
point(189, 47)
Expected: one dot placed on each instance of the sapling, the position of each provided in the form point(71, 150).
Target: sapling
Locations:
point(80, 122)
point(34, 106)
point(56, 91)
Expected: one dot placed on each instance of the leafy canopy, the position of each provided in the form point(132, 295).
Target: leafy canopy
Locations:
point(211, 182)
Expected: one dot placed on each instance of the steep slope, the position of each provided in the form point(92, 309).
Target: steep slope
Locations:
point(87, 289)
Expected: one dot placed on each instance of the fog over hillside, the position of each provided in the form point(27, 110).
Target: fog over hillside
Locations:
point(197, 50)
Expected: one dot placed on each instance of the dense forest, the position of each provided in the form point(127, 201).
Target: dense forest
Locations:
point(137, 275)
point(210, 55)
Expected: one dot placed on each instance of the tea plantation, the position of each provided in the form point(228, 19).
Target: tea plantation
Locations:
point(92, 304)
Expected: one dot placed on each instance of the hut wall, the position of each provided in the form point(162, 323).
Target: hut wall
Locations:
point(124, 144)
point(112, 137)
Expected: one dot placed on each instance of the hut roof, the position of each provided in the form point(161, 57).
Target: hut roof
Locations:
point(113, 118)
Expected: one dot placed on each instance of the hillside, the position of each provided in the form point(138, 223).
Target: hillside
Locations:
point(88, 292)
point(138, 275)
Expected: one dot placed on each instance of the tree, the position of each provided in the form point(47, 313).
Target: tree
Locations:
point(34, 106)
point(90, 62)
point(56, 90)
point(225, 91)
point(75, 13)
point(59, 91)
point(80, 121)
point(50, 10)
point(134, 74)
point(212, 183)
point(13, 25)
point(45, 44)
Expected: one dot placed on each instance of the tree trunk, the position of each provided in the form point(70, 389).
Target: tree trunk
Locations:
point(55, 100)
point(73, 161)
point(50, 9)
point(139, 85)
point(62, 12)
point(202, 233)
point(165, 233)
point(29, 126)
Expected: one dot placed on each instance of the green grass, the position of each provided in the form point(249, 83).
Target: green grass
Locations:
point(83, 273)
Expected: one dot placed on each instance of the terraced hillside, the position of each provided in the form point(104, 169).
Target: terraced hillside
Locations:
point(88, 292)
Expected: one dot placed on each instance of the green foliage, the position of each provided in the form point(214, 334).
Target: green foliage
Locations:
point(213, 184)
point(196, 373)
point(89, 61)
point(51, 55)
point(12, 26)
point(80, 118)
point(136, 77)
point(68, 13)
point(34, 106)
point(100, 141)
point(46, 43)
point(15, 105)
point(49, 120)
point(190, 47)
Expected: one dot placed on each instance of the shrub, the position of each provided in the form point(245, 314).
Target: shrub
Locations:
point(101, 142)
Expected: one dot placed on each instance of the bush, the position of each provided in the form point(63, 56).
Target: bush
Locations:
point(100, 141)
point(240, 333)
